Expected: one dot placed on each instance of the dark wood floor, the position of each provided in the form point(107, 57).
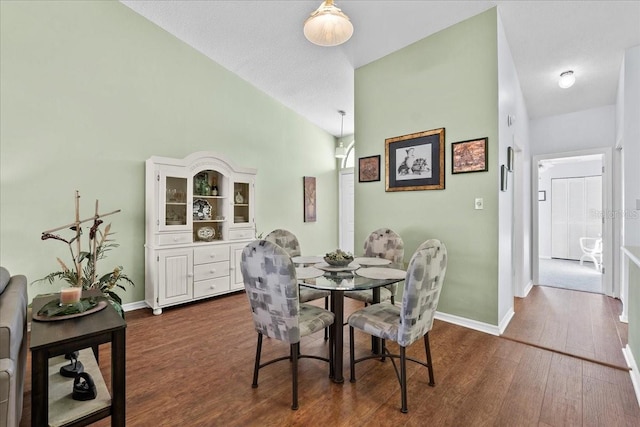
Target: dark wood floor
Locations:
point(192, 366)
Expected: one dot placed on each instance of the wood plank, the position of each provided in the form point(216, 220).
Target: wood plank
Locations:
point(523, 401)
point(562, 405)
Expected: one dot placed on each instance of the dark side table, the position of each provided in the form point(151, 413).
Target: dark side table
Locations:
point(55, 338)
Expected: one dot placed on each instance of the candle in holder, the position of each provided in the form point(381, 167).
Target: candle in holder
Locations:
point(70, 295)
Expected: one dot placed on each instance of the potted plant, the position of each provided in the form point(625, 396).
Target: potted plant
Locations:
point(83, 272)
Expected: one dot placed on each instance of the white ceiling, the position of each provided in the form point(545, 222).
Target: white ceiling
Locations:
point(262, 42)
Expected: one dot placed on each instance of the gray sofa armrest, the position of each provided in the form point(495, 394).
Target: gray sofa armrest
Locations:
point(13, 316)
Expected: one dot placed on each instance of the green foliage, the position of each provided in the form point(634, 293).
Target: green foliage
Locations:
point(84, 272)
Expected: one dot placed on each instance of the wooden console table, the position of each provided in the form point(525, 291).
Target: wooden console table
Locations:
point(50, 339)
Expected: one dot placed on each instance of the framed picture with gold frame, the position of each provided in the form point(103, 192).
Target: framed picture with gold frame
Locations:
point(415, 161)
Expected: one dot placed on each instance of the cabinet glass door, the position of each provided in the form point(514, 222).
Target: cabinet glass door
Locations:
point(241, 202)
point(173, 211)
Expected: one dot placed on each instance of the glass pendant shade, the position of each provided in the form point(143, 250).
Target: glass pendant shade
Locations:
point(328, 26)
point(341, 151)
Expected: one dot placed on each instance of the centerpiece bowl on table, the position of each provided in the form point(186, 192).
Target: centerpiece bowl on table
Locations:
point(338, 258)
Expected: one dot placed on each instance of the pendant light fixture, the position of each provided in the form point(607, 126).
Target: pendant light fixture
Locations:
point(341, 151)
point(328, 26)
point(567, 79)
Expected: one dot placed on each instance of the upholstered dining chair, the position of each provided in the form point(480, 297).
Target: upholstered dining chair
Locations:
point(408, 323)
point(272, 289)
point(382, 243)
point(289, 242)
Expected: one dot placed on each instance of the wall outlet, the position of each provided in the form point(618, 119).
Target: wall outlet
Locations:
point(479, 204)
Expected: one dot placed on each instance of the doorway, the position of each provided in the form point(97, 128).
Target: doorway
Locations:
point(571, 198)
point(346, 217)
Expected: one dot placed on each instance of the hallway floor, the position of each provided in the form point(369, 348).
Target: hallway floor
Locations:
point(579, 324)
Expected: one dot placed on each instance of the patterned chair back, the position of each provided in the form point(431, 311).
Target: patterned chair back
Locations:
point(423, 283)
point(385, 243)
point(286, 240)
point(270, 281)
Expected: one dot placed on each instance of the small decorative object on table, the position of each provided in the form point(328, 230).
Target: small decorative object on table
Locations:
point(70, 295)
point(74, 368)
point(338, 258)
point(84, 388)
point(55, 310)
point(83, 274)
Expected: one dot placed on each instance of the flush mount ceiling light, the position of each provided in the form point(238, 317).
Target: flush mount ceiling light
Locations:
point(328, 26)
point(567, 79)
point(341, 151)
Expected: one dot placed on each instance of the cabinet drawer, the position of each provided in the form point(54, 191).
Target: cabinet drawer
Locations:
point(210, 287)
point(241, 234)
point(211, 270)
point(174, 238)
point(210, 254)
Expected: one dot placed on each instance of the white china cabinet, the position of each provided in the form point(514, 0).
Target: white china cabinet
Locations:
point(199, 217)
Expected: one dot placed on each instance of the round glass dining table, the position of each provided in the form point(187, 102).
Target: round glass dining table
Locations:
point(339, 282)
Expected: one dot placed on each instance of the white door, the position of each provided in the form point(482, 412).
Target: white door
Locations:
point(577, 216)
point(559, 218)
point(347, 210)
point(575, 203)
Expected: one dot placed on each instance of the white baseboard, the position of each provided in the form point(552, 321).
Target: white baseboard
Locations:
point(635, 375)
point(134, 306)
point(528, 288)
point(505, 320)
point(468, 323)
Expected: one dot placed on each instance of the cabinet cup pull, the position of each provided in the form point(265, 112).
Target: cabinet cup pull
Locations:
point(213, 270)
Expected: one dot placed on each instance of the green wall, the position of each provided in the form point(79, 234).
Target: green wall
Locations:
point(448, 80)
point(90, 90)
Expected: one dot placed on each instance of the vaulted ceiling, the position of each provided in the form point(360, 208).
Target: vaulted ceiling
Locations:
point(263, 43)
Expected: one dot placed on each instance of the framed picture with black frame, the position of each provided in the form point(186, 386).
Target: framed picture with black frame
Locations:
point(309, 198)
point(369, 169)
point(415, 161)
point(470, 156)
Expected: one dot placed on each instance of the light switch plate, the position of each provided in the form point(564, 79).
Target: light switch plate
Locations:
point(479, 204)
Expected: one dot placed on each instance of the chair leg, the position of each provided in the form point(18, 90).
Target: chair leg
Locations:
point(352, 365)
point(254, 384)
point(294, 374)
point(427, 349)
point(403, 379)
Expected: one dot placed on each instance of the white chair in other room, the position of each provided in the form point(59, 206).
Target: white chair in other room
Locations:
point(591, 250)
